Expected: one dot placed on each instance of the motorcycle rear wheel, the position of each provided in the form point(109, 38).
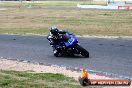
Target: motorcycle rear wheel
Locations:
point(56, 53)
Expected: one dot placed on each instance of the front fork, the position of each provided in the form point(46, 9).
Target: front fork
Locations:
point(76, 51)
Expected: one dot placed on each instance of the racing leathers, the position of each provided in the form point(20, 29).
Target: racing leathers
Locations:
point(55, 41)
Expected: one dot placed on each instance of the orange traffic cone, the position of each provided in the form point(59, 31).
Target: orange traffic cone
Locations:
point(84, 81)
point(86, 74)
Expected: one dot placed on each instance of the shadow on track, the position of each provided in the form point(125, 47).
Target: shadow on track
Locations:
point(72, 57)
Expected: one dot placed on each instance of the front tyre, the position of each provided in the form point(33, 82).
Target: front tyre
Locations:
point(82, 51)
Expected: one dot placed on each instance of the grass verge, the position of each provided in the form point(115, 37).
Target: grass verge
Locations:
point(78, 21)
point(49, 3)
point(16, 79)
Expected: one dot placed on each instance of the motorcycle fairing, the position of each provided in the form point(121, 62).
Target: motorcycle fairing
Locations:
point(70, 41)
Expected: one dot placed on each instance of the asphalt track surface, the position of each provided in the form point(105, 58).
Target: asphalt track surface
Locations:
point(106, 55)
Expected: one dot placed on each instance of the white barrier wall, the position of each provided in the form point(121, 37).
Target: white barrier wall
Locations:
point(111, 5)
point(115, 1)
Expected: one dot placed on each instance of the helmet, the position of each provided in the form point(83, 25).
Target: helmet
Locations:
point(54, 30)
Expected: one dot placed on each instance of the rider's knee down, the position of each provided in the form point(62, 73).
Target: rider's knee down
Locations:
point(56, 53)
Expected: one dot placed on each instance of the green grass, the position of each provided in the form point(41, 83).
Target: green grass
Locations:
point(49, 3)
point(24, 31)
point(16, 79)
point(78, 21)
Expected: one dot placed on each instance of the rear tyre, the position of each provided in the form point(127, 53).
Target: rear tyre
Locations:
point(56, 53)
point(83, 52)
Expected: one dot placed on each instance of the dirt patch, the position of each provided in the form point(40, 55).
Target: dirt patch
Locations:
point(3, 9)
point(26, 66)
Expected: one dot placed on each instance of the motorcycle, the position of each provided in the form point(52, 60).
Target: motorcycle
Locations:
point(68, 45)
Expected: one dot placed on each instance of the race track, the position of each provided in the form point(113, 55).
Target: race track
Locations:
point(106, 55)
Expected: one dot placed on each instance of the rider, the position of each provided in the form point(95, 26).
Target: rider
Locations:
point(54, 38)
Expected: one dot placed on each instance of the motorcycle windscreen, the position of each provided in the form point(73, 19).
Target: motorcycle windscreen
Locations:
point(70, 42)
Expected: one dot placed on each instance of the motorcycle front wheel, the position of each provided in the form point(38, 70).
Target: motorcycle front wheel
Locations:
point(82, 51)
